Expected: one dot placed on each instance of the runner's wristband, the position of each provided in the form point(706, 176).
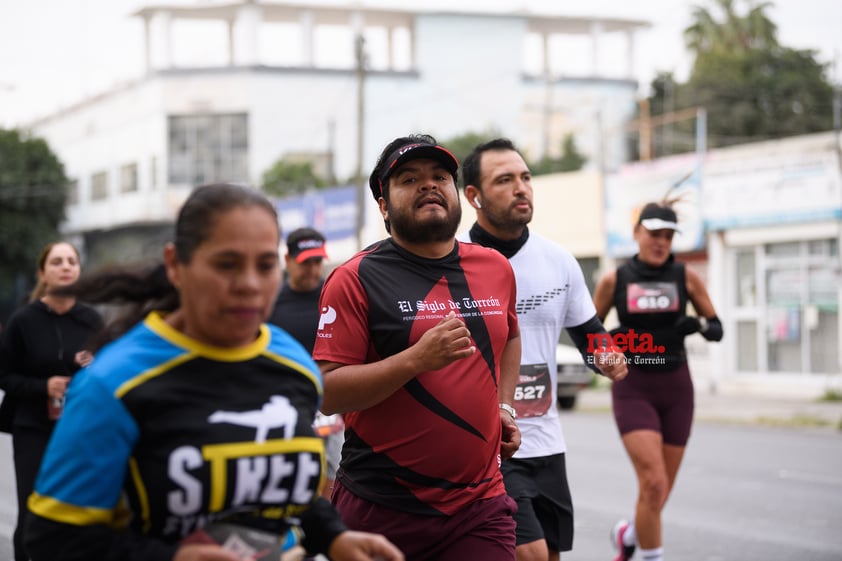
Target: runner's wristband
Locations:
point(509, 409)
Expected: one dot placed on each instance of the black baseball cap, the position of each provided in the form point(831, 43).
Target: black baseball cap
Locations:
point(306, 243)
point(658, 217)
point(409, 152)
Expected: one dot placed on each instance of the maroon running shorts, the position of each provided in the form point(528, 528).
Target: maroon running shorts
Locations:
point(484, 530)
point(655, 400)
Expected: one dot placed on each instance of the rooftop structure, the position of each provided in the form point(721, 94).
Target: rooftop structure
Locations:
point(230, 88)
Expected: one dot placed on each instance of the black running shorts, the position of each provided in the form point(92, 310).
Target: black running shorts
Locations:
point(544, 508)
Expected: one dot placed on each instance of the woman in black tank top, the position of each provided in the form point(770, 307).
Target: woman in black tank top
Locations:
point(653, 406)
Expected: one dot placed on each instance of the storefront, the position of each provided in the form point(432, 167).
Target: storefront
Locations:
point(773, 215)
point(785, 311)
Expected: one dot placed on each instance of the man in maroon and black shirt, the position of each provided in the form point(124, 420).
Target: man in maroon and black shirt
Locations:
point(419, 345)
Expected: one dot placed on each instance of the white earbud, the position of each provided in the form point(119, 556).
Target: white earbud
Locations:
point(476, 202)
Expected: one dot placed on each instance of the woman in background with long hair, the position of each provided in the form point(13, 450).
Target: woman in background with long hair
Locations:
point(43, 345)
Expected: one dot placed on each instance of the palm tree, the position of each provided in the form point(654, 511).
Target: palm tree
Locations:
point(735, 32)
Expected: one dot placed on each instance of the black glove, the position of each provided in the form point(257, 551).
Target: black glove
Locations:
point(712, 329)
point(687, 325)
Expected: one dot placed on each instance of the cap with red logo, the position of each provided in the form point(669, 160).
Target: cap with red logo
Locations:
point(407, 153)
point(306, 243)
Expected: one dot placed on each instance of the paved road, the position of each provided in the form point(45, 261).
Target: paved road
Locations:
point(745, 492)
point(8, 500)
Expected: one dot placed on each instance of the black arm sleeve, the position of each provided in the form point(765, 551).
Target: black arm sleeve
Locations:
point(321, 524)
point(713, 331)
point(579, 334)
point(14, 384)
point(47, 540)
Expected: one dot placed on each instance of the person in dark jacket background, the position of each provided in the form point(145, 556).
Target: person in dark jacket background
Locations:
point(43, 345)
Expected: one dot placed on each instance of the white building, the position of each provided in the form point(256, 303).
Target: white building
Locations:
point(288, 84)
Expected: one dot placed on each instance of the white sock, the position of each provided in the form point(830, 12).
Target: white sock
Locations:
point(656, 554)
point(630, 536)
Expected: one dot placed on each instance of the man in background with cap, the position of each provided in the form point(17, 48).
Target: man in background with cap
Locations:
point(297, 307)
point(419, 346)
point(297, 312)
point(552, 296)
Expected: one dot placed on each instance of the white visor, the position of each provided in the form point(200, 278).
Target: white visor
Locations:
point(659, 224)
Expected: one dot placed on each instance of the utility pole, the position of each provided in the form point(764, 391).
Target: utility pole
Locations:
point(837, 146)
point(547, 118)
point(837, 126)
point(360, 182)
point(548, 102)
point(837, 123)
point(645, 136)
point(646, 123)
point(331, 151)
point(669, 107)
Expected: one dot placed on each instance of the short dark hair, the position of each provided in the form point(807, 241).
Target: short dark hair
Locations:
point(420, 145)
point(471, 164)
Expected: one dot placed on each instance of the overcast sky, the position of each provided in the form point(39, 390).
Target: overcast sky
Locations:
point(56, 52)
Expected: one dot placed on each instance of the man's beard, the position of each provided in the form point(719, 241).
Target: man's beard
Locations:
point(434, 229)
point(508, 220)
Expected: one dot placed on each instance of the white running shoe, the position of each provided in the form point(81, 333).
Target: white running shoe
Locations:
point(624, 552)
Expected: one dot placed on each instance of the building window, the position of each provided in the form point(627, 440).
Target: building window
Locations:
point(802, 306)
point(153, 172)
point(128, 178)
point(73, 192)
point(747, 343)
point(99, 185)
point(746, 278)
point(208, 148)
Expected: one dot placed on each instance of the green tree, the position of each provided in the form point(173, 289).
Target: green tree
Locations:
point(33, 192)
point(290, 178)
point(752, 87)
point(708, 34)
point(571, 159)
point(674, 137)
point(758, 94)
point(463, 144)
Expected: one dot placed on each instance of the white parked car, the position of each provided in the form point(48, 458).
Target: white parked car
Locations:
point(573, 375)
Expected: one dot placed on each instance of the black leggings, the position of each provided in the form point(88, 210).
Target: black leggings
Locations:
point(29, 445)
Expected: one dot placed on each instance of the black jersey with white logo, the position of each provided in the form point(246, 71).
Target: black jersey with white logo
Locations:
point(177, 434)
